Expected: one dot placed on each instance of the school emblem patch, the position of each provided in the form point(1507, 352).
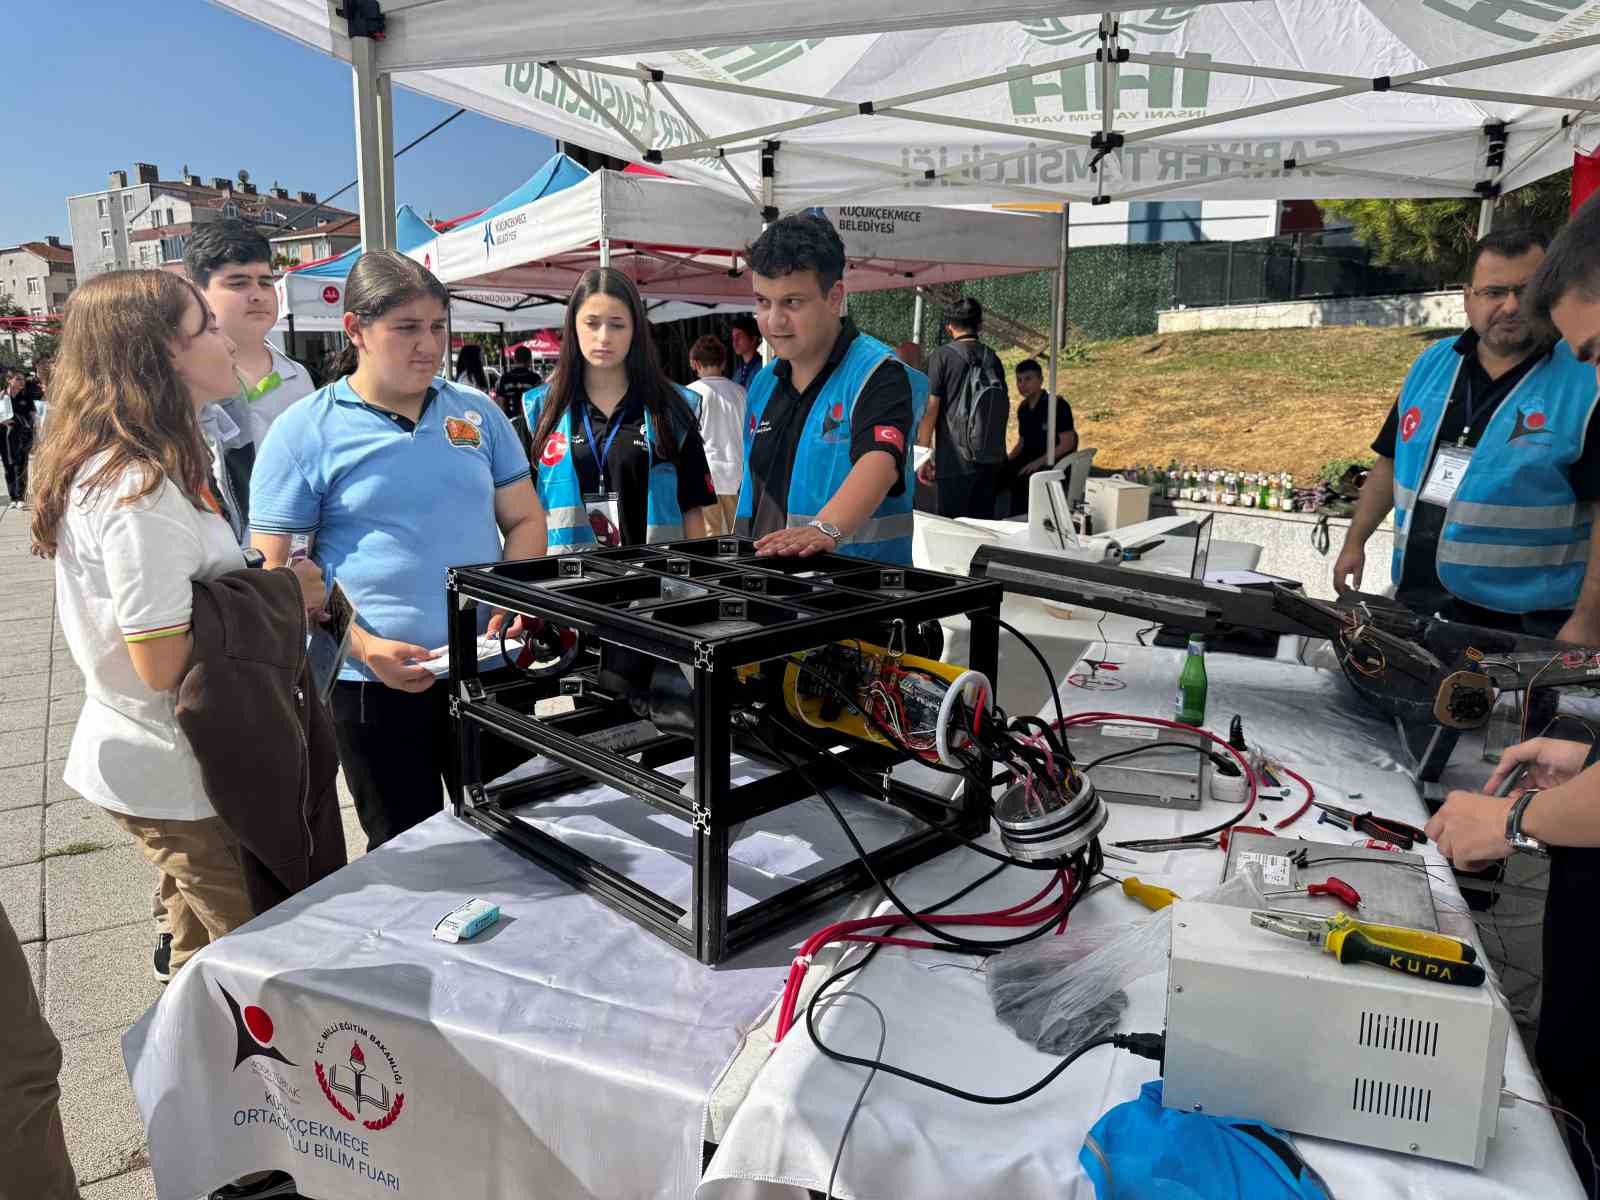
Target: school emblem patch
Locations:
point(462, 433)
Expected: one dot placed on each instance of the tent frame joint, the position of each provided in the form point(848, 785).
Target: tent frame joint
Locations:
point(865, 108)
point(1487, 188)
point(1382, 83)
point(1120, 55)
point(364, 19)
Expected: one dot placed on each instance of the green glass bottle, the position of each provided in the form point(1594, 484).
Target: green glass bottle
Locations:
point(1191, 698)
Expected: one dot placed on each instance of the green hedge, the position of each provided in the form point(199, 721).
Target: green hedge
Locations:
point(1113, 291)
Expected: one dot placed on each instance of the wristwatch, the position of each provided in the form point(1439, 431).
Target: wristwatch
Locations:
point(1514, 835)
point(830, 529)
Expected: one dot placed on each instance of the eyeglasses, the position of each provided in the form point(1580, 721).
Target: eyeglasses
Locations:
point(1497, 293)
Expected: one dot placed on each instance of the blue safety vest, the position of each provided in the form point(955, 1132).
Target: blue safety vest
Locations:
point(1515, 537)
point(823, 459)
point(566, 517)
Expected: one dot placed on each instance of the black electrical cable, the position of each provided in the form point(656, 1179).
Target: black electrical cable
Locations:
point(1163, 744)
point(1049, 678)
point(1084, 870)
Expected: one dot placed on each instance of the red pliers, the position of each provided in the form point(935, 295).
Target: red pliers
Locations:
point(1337, 888)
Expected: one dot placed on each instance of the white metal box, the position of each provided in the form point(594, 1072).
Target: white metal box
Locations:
point(1263, 1026)
point(1116, 503)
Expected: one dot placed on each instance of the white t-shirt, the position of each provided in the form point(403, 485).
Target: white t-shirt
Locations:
point(294, 383)
point(722, 404)
point(124, 573)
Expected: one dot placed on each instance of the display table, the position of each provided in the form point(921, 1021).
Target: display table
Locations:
point(911, 1141)
point(567, 1053)
point(564, 1053)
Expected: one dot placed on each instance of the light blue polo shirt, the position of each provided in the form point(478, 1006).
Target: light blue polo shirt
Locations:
point(392, 507)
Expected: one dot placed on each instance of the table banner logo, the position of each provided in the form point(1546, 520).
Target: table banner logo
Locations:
point(254, 1031)
point(330, 295)
point(359, 1076)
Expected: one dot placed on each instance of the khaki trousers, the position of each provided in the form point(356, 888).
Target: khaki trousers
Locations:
point(201, 895)
point(33, 1152)
point(720, 516)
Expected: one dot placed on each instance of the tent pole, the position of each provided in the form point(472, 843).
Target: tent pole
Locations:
point(605, 252)
point(505, 359)
point(916, 317)
point(1058, 323)
point(1486, 217)
point(386, 160)
point(449, 340)
point(291, 335)
point(369, 168)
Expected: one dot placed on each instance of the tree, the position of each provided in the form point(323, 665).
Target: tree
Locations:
point(1440, 233)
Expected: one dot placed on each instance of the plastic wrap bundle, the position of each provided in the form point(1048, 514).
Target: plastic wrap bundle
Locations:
point(1059, 992)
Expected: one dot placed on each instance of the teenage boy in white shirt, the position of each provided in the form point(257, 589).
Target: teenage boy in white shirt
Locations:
point(231, 263)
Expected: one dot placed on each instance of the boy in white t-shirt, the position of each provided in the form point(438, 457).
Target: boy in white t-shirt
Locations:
point(722, 408)
point(231, 263)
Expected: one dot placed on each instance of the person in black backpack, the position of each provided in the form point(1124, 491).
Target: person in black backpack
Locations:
point(969, 407)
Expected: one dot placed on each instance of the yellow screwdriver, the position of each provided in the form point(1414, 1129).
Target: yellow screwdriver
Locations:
point(1148, 894)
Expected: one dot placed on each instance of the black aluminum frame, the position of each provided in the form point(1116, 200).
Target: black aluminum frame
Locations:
point(799, 604)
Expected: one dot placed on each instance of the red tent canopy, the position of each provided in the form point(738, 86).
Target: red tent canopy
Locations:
point(544, 342)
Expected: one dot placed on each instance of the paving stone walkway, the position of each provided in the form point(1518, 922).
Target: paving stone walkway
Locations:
point(75, 887)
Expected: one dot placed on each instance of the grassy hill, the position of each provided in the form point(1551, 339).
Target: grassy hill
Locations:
point(1259, 400)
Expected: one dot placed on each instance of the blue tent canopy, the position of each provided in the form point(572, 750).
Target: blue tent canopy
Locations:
point(411, 231)
point(558, 174)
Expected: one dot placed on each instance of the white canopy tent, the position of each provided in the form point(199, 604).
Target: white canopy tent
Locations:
point(952, 102)
point(1008, 101)
point(685, 242)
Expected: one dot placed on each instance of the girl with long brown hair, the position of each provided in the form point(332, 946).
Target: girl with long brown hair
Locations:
point(125, 506)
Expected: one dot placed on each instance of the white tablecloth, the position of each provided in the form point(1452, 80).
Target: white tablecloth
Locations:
point(910, 1141)
point(564, 1053)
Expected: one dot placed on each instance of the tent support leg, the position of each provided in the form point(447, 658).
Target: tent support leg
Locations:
point(605, 252)
point(1058, 324)
point(290, 337)
point(449, 341)
point(1485, 217)
point(391, 233)
point(916, 317)
point(369, 143)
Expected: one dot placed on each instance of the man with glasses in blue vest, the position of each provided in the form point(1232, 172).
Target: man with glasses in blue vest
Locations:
point(829, 422)
point(1490, 460)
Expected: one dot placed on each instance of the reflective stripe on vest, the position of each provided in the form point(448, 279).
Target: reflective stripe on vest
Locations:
point(1509, 557)
point(566, 516)
point(822, 460)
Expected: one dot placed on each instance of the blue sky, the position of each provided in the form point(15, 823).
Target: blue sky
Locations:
point(181, 81)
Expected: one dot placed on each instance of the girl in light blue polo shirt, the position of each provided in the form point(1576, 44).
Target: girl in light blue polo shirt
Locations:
point(395, 475)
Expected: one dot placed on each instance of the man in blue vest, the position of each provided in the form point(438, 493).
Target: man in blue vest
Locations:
point(1557, 805)
point(828, 422)
point(1491, 463)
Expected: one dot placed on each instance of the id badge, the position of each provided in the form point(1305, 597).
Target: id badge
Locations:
point(604, 517)
point(1449, 465)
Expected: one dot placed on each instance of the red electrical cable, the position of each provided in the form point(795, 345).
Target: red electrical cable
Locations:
point(1099, 718)
point(1016, 916)
point(1311, 794)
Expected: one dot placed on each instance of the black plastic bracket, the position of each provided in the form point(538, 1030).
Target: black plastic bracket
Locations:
point(1289, 164)
point(1099, 200)
point(865, 108)
point(653, 156)
point(364, 18)
point(1382, 83)
point(1487, 188)
point(1107, 141)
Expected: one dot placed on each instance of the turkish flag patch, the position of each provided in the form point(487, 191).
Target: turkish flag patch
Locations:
point(1409, 422)
point(555, 449)
point(890, 436)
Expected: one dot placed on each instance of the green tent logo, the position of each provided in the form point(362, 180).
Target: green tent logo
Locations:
point(756, 59)
point(1068, 94)
point(1064, 31)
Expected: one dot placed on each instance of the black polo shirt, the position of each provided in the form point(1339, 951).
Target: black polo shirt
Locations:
point(1419, 585)
point(885, 401)
point(628, 461)
point(1033, 429)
